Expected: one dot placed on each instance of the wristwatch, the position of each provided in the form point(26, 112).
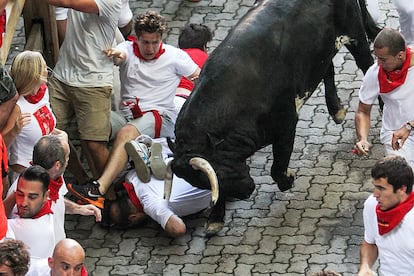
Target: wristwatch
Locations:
point(408, 126)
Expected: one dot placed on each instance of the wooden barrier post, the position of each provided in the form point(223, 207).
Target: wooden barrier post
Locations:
point(41, 30)
point(13, 11)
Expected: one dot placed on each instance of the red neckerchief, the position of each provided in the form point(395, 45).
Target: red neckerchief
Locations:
point(33, 99)
point(46, 210)
point(388, 81)
point(387, 220)
point(138, 53)
point(84, 272)
point(133, 196)
point(54, 186)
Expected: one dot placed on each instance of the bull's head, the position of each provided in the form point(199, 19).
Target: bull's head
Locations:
point(232, 173)
point(198, 164)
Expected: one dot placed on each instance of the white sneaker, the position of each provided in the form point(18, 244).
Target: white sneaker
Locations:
point(145, 139)
point(138, 152)
point(157, 163)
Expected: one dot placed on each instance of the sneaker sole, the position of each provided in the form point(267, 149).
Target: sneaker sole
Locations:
point(98, 202)
point(157, 164)
point(141, 168)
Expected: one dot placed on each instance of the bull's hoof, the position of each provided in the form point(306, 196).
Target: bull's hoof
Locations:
point(213, 228)
point(339, 117)
point(285, 181)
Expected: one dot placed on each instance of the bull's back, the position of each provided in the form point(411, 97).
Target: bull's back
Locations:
point(275, 49)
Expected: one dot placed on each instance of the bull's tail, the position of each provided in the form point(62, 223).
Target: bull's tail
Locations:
point(371, 28)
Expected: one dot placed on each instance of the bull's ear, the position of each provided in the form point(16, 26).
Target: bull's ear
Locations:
point(171, 144)
point(213, 142)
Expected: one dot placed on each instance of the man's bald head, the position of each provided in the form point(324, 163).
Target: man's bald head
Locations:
point(68, 258)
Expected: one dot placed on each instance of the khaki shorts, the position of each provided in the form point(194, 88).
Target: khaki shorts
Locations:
point(90, 106)
point(146, 125)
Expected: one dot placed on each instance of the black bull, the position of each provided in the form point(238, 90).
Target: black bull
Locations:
point(246, 96)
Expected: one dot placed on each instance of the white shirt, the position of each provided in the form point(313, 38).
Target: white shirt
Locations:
point(57, 207)
point(398, 104)
point(396, 248)
point(397, 110)
point(42, 122)
point(405, 9)
point(153, 82)
point(81, 62)
point(39, 237)
point(185, 199)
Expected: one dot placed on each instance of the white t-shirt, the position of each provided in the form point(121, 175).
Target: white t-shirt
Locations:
point(185, 199)
point(397, 110)
point(125, 15)
point(405, 9)
point(396, 248)
point(39, 237)
point(38, 234)
point(57, 207)
point(81, 62)
point(398, 104)
point(42, 122)
point(153, 82)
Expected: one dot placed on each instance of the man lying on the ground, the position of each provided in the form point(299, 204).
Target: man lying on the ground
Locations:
point(136, 200)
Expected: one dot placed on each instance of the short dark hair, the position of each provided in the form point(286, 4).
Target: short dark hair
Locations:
point(122, 221)
point(150, 22)
point(390, 38)
point(47, 151)
point(14, 254)
point(396, 170)
point(37, 173)
point(194, 36)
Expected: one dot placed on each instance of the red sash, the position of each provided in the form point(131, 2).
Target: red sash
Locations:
point(388, 81)
point(138, 113)
point(387, 220)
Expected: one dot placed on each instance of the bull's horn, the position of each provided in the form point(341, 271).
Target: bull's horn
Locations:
point(203, 165)
point(168, 181)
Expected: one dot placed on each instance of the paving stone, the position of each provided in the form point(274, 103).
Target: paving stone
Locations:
point(315, 226)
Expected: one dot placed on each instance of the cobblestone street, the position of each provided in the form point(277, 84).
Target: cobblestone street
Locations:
point(315, 226)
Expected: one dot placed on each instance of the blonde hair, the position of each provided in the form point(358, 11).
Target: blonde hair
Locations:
point(26, 71)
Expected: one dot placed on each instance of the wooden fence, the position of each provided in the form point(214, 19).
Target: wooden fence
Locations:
point(39, 26)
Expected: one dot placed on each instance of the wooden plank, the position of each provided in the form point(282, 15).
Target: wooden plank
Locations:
point(13, 10)
point(34, 41)
point(39, 12)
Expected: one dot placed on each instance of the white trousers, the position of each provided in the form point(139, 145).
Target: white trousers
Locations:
point(405, 9)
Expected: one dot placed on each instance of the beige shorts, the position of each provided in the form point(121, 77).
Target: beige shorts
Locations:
point(146, 125)
point(90, 106)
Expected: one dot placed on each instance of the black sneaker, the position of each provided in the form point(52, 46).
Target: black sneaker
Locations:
point(88, 192)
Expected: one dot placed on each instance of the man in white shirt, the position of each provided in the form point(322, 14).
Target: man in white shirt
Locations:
point(34, 223)
point(52, 152)
point(389, 219)
point(83, 77)
point(150, 72)
point(137, 200)
point(68, 259)
point(391, 78)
